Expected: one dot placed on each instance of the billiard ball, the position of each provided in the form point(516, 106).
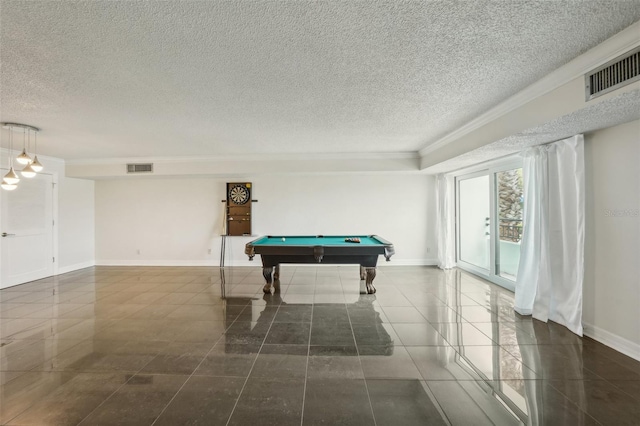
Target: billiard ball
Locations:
point(283, 238)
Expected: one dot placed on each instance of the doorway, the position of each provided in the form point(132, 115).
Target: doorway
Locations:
point(26, 231)
point(489, 206)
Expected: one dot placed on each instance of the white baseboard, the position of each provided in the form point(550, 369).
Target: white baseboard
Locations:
point(381, 263)
point(614, 341)
point(75, 267)
point(245, 262)
point(408, 262)
point(115, 262)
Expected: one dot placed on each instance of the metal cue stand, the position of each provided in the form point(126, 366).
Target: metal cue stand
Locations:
point(223, 234)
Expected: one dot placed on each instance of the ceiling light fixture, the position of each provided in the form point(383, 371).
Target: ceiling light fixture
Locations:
point(36, 165)
point(11, 179)
point(7, 186)
point(28, 171)
point(24, 158)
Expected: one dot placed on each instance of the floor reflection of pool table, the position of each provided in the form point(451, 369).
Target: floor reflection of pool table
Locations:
point(332, 249)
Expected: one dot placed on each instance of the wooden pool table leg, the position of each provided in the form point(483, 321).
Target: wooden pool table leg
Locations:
point(266, 273)
point(371, 274)
point(276, 278)
point(276, 272)
point(363, 273)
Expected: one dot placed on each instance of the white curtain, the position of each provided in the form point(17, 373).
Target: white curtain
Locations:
point(444, 221)
point(551, 272)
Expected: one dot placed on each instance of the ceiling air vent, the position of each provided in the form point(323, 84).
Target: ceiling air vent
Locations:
point(140, 168)
point(614, 74)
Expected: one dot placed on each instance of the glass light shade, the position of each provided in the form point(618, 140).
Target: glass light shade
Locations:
point(8, 186)
point(11, 178)
point(23, 158)
point(36, 165)
point(28, 171)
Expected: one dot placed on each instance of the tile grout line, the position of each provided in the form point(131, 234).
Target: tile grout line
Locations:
point(433, 397)
point(439, 332)
point(107, 398)
point(133, 375)
point(429, 391)
point(116, 390)
point(193, 373)
point(306, 371)
point(188, 378)
point(573, 402)
point(364, 378)
point(254, 362)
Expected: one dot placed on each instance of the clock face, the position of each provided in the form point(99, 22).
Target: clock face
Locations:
point(239, 194)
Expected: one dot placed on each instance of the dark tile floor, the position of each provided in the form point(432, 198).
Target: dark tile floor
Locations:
point(162, 346)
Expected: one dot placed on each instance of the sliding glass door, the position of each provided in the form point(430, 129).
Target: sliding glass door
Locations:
point(489, 222)
point(509, 199)
point(475, 210)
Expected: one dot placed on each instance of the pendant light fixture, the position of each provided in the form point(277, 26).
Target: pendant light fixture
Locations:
point(11, 179)
point(7, 186)
point(24, 158)
point(28, 171)
point(36, 165)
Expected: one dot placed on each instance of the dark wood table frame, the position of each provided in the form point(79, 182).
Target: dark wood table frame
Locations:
point(364, 255)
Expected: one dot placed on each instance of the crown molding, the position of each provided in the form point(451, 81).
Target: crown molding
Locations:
point(611, 48)
point(251, 158)
point(254, 165)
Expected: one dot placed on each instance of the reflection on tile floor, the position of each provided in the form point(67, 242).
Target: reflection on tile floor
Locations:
point(177, 346)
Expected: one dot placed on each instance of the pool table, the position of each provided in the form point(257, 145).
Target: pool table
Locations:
point(332, 249)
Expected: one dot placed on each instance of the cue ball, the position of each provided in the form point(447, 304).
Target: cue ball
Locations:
point(282, 238)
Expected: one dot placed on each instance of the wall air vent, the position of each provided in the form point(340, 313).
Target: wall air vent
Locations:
point(140, 168)
point(623, 70)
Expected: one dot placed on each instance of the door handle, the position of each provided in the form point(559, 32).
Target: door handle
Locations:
point(4, 234)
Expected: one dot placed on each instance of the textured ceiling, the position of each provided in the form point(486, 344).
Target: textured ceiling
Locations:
point(186, 78)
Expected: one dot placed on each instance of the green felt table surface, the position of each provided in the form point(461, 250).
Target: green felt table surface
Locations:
point(330, 240)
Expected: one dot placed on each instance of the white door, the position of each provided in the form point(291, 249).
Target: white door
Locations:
point(26, 231)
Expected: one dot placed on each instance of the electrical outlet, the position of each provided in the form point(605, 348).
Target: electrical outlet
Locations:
point(138, 251)
point(209, 251)
point(428, 250)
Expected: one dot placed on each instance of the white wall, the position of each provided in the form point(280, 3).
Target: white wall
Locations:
point(75, 230)
point(396, 207)
point(176, 221)
point(76, 224)
point(74, 213)
point(612, 277)
point(157, 221)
